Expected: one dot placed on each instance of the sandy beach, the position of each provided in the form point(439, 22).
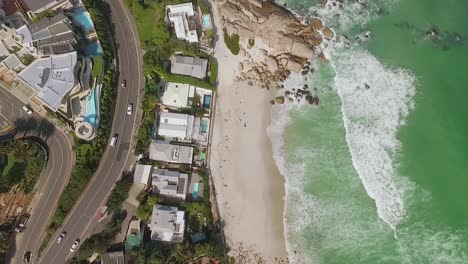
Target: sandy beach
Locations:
point(249, 187)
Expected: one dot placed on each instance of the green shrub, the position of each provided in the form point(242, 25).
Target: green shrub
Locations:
point(232, 42)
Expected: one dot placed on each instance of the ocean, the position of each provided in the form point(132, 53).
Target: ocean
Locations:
point(378, 172)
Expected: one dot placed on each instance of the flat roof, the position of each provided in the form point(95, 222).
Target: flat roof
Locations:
point(176, 94)
point(35, 5)
point(191, 66)
point(142, 173)
point(164, 151)
point(52, 78)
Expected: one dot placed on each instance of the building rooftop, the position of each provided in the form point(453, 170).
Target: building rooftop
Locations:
point(116, 257)
point(181, 16)
point(174, 125)
point(176, 94)
point(52, 78)
point(164, 151)
point(170, 183)
point(35, 5)
point(12, 62)
point(167, 223)
point(142, 173)
point(195, 67)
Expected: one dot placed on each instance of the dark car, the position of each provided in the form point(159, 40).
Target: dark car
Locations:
point(28, 256)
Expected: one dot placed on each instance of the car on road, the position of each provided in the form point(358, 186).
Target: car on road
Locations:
point(27, 110)
point(27, 257)
point(129, 109)
point(124, 83)
point(113, 140)
point(61, 237)
point(75, 245)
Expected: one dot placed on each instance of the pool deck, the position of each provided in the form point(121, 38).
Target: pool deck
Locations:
point(194, 179)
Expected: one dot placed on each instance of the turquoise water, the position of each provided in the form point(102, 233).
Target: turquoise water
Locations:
point(195, 190)
point(83, 18)
point(207, 21)
point(94, 49)
point(204, 125)
point(91, 107)
point(379, 175)
point(207, 101)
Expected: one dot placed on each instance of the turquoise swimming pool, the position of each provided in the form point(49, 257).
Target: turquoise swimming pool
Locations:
point(91, 107)
point(206, 21)
point(83, 18)
point(204, 126)
point(195, 190)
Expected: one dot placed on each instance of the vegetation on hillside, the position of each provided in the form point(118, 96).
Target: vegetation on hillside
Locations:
point(89, 154)
point(119, 193)
point(21, 162)
point(231, 41)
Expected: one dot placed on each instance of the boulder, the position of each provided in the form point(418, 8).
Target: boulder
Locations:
point(316, 23)
point(294, 66)
point(328, 33)
point(272, 64)
point(302, 50)
point(279, 100)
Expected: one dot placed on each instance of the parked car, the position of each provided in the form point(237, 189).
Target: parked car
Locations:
point(22, 223)
point(124, 83)
point(114, 140)
point(61, 237)
point(27, 110)
point(129, 109)
point(75, 245)
point(27, 257)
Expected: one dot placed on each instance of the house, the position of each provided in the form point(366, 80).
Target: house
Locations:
point(116, 257)
point(180, 95)
point(133, 239)
point(35, 7)
point(175, 126)
point(190, 66)
point(51, 78)
point(182, 17)
point(52, 35)
point(142, 173)
point(167, 152)
point(172, 184)
point(167, 224)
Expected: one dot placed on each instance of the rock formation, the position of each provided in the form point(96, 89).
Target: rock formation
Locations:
point(283, 44)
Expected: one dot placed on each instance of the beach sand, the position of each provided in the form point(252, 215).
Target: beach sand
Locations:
point(249, 187)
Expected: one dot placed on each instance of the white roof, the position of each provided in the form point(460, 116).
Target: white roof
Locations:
point(176, 95)
point(52, 78)
point(179, 15)
point(167, 223)
point(164, 151)
point(170, 183)
point(142, 173)
point(173, 118)
point(175, 125)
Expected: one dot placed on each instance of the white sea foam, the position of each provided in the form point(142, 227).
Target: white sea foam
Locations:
point(375, 103)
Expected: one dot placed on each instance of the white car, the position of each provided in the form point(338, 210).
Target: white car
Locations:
point(129, 109)
point(61, 237)
point(113, 140)
point(27, 110)
point(75, 245)
point(124, 83)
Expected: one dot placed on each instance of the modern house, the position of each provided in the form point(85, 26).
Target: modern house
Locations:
point(167, 224)
point(51, 78)
point(180, 95)
point(175, 126)
point(51, 35)
point(171, 184)
point(142, 173)
point(190, 66)
point(167, 152)
point(182, 18)
point(34, 7)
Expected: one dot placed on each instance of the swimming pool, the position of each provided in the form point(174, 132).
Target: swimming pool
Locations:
point(83, 18)
point(206, 21)
point(195, 190)
point(94, 49)
point(204, 126)
point(91, 107)
point(206, 101)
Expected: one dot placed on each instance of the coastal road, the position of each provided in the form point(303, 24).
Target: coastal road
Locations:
point(52, 181)
point(115, 159)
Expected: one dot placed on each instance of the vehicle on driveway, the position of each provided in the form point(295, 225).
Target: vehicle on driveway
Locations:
point(75, 245)
point(113, 140)
point(124, 83)
point(22, 223)
point(129, 109)
point(61, 237)
point(27, 110)
point(27, 257)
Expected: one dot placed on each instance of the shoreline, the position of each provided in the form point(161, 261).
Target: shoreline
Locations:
point(249, 188)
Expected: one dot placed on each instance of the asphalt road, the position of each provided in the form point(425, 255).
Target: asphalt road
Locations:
point(115, 159)
point(52, 181)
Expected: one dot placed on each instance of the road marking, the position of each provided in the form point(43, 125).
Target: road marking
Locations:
point(131, 135)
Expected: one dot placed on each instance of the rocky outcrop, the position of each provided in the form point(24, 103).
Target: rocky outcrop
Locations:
point(283, 44)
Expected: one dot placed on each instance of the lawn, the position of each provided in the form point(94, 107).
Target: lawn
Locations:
point(203, 7)
point(98, 65)
point(10, 163)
